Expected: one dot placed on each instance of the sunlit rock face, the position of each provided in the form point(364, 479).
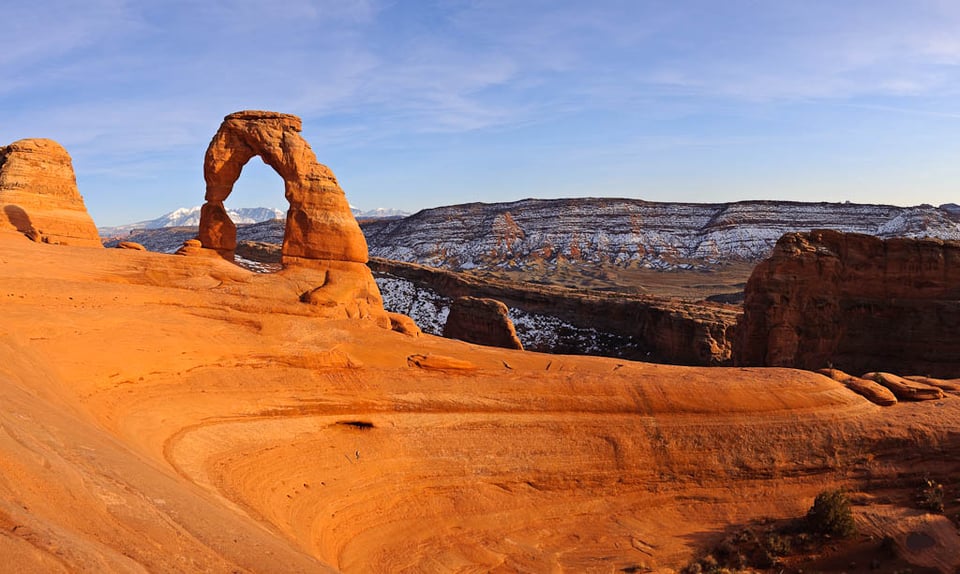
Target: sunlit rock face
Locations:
point(39, 196)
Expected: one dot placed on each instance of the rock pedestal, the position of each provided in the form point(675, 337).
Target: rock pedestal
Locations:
point(39, 196)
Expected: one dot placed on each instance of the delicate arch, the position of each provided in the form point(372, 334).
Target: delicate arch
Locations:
point(320, 225)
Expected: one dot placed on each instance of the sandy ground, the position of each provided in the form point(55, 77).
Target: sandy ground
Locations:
point(172, 414)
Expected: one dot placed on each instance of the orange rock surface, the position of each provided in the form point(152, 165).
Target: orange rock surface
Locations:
point(181, 414)
point(39, 196)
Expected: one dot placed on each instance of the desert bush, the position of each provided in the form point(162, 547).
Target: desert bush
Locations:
point(930, 496)
point(830, 515)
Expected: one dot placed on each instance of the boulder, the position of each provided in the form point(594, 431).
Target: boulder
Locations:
point(948, 385)
point(481, 321)
point(439, 363)
point(904, 389)
point(39, 196)
point(870, 390)
point(854, 301)
point(403, 324)
point(132, 245)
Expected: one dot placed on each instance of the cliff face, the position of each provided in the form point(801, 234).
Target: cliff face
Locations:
point(629, 232)
point(857, 302)
point(556, 320)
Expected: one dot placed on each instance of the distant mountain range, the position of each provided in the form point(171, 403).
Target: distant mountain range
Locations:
point(190, 217)
point(604, 231)
point(631, 232)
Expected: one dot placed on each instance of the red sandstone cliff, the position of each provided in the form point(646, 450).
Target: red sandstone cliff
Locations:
point(856, 302)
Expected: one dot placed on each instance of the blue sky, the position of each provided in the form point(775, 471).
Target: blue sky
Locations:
point(416, 104)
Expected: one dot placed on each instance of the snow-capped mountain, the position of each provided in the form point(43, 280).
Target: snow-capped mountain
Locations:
point(190, 217)
point(378, 213)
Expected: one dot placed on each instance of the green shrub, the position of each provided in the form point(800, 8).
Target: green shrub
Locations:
point(830, 515)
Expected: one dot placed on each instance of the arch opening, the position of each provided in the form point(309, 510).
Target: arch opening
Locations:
point(252, 207)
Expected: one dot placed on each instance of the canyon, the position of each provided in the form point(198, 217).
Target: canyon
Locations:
point(172, 413)
point(611, 277)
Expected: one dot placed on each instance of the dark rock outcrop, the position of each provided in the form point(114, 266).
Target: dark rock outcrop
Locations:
point(39, 196)
point(617, 325)
point(482, 321)
point(854, 301)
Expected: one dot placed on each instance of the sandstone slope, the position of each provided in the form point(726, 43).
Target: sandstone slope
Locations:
point(182, 414)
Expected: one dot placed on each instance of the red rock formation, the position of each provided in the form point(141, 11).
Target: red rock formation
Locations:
point(481, 321)
point(321, 232)
point(39, 196)
point(319, 224)
point(858, 302)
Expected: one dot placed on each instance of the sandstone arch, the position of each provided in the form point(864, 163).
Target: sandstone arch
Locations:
point(320, 225)
point(323, 247)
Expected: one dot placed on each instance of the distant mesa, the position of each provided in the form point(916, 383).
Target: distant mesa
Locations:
point(39, 195)
point(855, 302)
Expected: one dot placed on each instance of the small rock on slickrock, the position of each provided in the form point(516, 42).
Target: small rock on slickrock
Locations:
point(905, 389)
point(481, 321)
point(947, 385)
point(39, 195)
point(439, 363)
point(404, 324)
point(132, 245)
point(868, 389)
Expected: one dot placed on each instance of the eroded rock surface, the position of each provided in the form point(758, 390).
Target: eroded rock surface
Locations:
point(482, 321)
point(856, 302)
point(39, 196)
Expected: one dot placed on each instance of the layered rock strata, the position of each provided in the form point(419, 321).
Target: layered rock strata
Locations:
point(482, 321)
point(855, 302)
point(39, 195)
point(630, 232)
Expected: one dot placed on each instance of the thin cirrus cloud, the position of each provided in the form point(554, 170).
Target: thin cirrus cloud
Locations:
point(123, 83)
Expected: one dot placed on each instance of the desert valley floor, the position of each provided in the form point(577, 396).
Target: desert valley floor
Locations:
point(169, 414)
